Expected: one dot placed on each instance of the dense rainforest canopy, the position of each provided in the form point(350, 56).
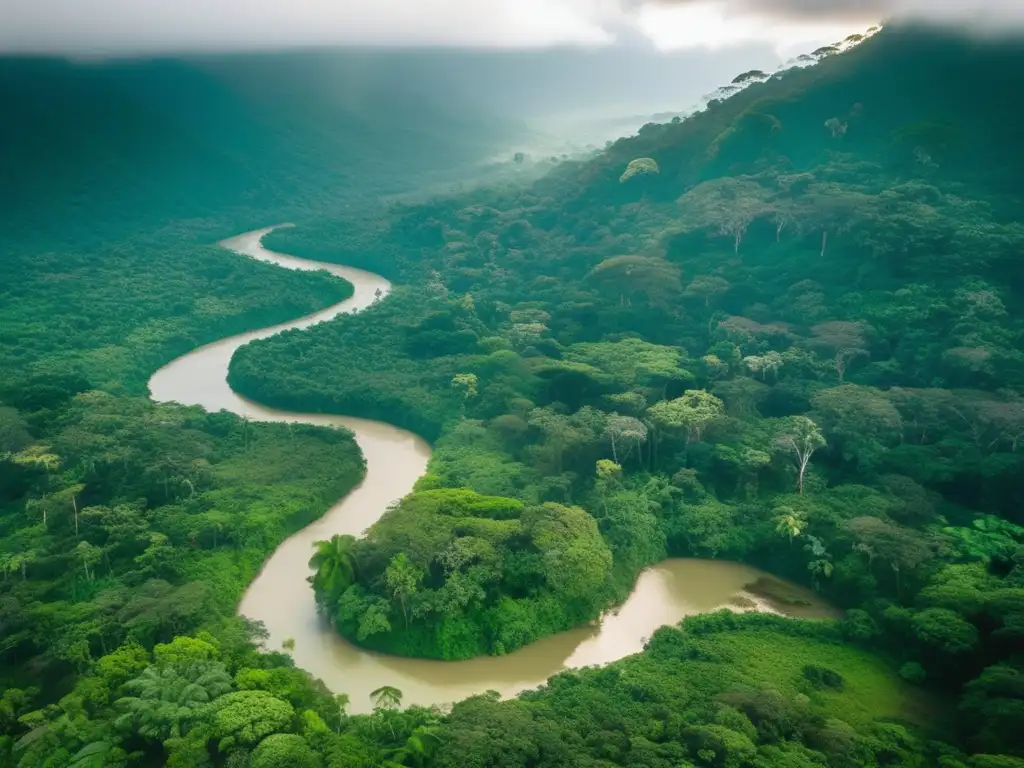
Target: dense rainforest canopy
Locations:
point(785, 330)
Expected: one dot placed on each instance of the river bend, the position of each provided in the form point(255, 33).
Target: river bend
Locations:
point(282, 599)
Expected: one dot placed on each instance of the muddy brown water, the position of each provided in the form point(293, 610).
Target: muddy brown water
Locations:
point(282, 599)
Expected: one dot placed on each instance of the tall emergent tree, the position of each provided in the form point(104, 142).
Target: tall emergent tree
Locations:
point(800, 438)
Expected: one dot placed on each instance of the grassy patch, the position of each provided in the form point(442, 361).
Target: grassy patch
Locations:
point(871, 689)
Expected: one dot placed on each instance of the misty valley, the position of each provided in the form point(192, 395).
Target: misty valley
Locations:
point(375, 408)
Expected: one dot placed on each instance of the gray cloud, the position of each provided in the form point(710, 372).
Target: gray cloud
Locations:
point(983, 13)
point(128, 26)
point(166, 26)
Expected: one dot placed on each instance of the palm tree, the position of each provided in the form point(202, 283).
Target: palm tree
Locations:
point(788, 522)
point(95, 755)
point(386, 697)
point(420, 745)
point(170, 699)
point(335, 565)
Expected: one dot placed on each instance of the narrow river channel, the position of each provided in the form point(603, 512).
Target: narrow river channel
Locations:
point(282, 599)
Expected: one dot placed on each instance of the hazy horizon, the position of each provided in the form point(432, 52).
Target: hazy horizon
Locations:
point(152, 27)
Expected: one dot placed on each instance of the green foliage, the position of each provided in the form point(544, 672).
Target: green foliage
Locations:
point(822, 677)
point(988, 536)
point(113, 317)
point(184, 650)
point(641, 166)
point(723, 687)
point(334, 562)
point(913, 672)
point(284, 750)
point(845, 319)
point(835, 392)
point(944, 631)
point(691, 413)
point(411, 336)
point(156, 519)
point(169, 700)
point(245, 718)
point(451, 574)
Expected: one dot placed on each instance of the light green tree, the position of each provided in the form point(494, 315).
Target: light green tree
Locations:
point(624, 431)
point(374, 619)
point(653, 277)
point(245, 718)
point(799, 437)
point(769, 362)
point(21, 561)
point(559, 431)
point(184, 650)
point(607, 471)
point(843, 341)
point(821, 560)
point(708, 288)
point(633, 363)
point(789, 522)
point(641, 166)
point(576, 560)
point(728, 204)
point(89, 555)
point(402, 578)
point(40, 456)
point(465, 384)
point(284, 750)
point(607, 474)
point(692, 412)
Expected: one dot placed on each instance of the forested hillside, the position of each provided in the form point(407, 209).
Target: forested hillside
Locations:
point(92, 152)
point(786, 330)
point(124, 523)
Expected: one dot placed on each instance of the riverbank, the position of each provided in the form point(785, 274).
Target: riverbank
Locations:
point(282, 599)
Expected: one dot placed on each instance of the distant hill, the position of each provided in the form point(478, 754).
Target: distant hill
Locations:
point(98, 150)
point(907, 90)
point(94, 150)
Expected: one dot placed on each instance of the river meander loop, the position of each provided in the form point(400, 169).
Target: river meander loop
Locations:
point(282, 598)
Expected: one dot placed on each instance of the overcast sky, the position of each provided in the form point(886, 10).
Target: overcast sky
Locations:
point(159, 26)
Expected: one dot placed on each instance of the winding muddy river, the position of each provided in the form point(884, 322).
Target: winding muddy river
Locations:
point(282, 599)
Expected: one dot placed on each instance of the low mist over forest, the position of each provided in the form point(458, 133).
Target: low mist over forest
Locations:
point(109, 147)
